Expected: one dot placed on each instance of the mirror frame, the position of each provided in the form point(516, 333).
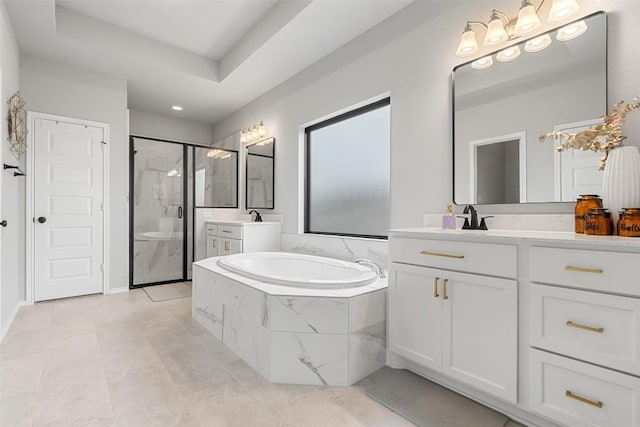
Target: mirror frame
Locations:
point(273, 174)
point(518, 42)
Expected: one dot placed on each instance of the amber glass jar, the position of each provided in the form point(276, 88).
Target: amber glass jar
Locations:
point(584, 203)
point(598, 222)
point(629, 223)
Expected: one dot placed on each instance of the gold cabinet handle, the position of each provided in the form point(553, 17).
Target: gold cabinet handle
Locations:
point(444, 289)
point(214, 241)
point(435, 287)
point(441, 254)
point(584, 270)
point(226, 246)
point(586, 328)
point(597, 404)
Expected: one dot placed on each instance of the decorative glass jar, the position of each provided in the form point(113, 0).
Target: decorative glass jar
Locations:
point(598, 222)
point(583, 205)
point(629, 223)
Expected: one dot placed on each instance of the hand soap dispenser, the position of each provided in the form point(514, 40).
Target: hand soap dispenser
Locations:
point(448, 220)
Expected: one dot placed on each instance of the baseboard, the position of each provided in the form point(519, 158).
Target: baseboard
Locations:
point(11, 318)
point(117, 291)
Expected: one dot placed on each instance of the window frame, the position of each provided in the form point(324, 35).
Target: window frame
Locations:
point(307, 164)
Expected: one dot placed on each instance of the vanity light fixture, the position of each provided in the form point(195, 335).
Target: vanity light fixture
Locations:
point(176, 108)
point(561, 9)
point(538, 44)
point(508, 54)
point(174, 172)
point(253, 133)
point(482, 63)
point(572, 31)
point(503, 29)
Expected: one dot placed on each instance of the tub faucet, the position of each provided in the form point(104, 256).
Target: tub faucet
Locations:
point(258, 217)
point(469, 209)
point(372, 265)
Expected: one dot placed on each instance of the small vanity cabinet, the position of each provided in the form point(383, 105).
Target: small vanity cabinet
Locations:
point(226, 238)
point(450, 313)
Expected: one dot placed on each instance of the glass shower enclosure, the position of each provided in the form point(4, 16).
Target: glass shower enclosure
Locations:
point(161, 207)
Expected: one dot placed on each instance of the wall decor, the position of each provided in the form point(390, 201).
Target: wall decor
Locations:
point(17, 121)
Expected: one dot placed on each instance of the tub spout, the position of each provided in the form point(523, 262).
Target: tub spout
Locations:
point(372, 265)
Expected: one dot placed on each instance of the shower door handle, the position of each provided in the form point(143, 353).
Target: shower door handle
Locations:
point(179, 211)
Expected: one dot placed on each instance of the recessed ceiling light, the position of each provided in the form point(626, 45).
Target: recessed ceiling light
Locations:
point(176, 108)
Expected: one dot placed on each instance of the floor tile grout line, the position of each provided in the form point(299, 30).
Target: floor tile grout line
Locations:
point(35, 401)
point(104, 372)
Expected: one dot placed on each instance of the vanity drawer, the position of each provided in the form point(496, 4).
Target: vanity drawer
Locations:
point(595, 270)
point(594, 327)
point(579, 394)
point(230, 231)
point(491, 259)
point(212, 230)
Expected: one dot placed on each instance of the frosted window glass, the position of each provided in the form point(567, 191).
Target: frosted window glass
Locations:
point(348, 175)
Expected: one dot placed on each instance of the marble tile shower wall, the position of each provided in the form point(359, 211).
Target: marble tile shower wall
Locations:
point(156, 199)
point(345, 248)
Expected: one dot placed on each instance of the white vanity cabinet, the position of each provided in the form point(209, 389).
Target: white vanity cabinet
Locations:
point(461, 324)
point(226, 238)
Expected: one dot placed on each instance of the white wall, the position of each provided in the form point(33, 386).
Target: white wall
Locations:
point(410, 55)
point(170, 128)
point(12, 251)
point(65, 90)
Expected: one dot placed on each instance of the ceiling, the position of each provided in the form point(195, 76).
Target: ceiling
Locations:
point(209, 56)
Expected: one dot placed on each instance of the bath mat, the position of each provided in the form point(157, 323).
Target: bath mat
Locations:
point(425, 403)
point(169, 291)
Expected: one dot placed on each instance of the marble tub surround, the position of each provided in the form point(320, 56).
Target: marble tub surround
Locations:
point(346, 248)
point(293, 335)
point(538, 222)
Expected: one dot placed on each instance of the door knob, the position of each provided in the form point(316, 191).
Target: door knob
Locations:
point(42, 220)
point(3, 223)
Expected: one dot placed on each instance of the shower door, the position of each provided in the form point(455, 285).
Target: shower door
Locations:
point(158, 214)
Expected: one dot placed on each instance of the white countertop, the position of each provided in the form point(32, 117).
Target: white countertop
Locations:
point(238, 222)
point(506, 236)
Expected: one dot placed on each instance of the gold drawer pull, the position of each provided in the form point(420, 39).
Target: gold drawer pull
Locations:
point(597, 404)
point(435, 287)
point(584, 270)
point(226, 246)
point(444, 289)
point(442, 255)
point(586, 328)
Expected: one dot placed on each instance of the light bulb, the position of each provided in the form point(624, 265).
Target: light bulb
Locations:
point(482, 63)
point(495, 31)
point(254, 132)
point(508, 54)
point(468, 43)
point(243, 136)
point(528, 20)
point(538, 44)
point(562, 9)
point(571, 31)
point(262, 130)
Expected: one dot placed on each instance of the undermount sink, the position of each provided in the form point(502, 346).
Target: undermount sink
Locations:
point(161, 235)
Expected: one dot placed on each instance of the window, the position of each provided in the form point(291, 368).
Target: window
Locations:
point(347, 173)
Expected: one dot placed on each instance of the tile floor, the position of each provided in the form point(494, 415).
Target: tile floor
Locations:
point(127, 361)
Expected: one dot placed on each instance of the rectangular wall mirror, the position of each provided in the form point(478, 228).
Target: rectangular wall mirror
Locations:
point(260, 164)
point(554, 81)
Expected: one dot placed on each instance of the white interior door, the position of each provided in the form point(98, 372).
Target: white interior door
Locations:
point(68, 209)
point(576, 170)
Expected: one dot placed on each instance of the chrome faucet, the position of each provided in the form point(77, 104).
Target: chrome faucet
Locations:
point(373, 266)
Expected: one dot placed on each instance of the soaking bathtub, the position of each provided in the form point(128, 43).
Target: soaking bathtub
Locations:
point(294, 318)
